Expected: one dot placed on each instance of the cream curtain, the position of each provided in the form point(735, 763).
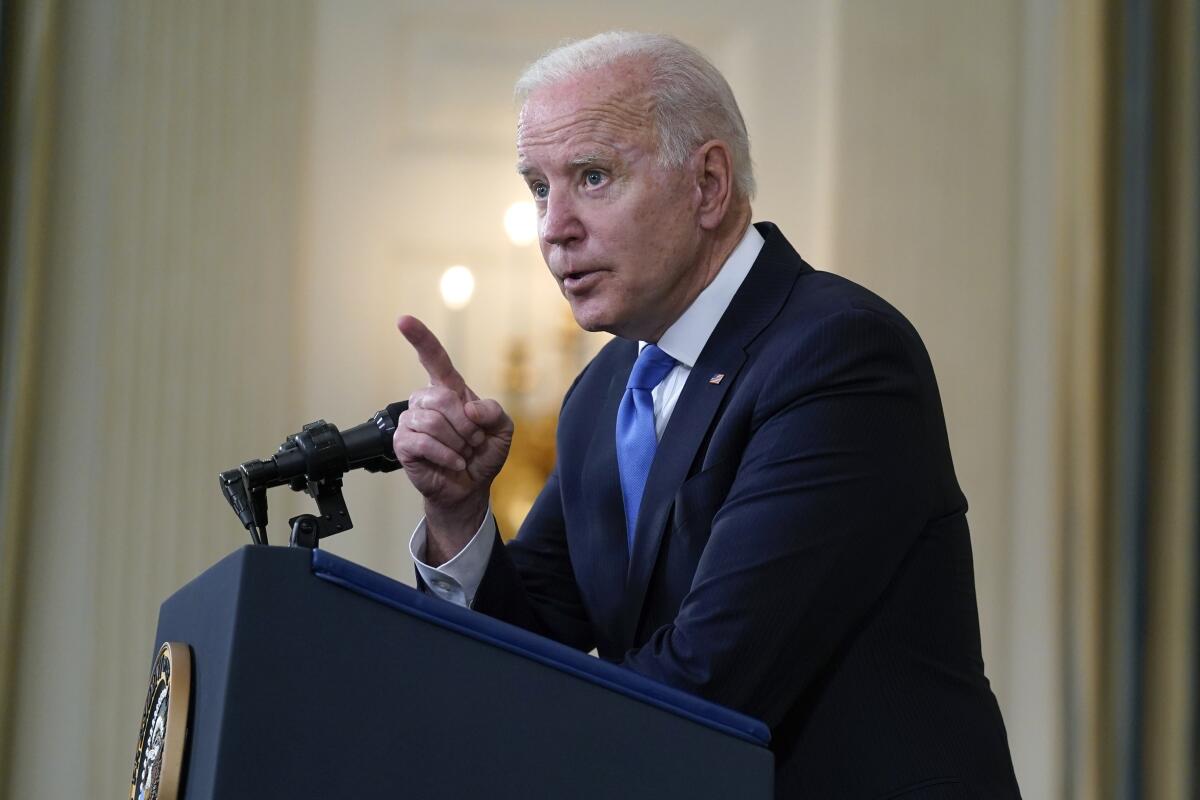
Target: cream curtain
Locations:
point(154, 158)
point(1128, 410)
point(28, 43)
point(1171, 707)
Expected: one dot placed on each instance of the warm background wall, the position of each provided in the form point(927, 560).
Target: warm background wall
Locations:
point(213, 212)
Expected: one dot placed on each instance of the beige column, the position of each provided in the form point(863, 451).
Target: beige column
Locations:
point(1082, 397)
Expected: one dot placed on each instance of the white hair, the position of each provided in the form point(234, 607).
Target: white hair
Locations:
point(692, 100)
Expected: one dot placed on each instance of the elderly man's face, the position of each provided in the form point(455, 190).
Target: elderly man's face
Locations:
point(618, 230)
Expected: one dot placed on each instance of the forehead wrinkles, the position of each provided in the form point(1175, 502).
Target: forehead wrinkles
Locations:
point(615, 118)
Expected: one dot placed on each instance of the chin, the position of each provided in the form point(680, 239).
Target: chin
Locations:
point(592, 320)
point(592, 325)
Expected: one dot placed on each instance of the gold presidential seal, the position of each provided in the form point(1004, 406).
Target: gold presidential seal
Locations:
point(158, 762)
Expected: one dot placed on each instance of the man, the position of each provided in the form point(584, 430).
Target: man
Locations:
point(753, 499)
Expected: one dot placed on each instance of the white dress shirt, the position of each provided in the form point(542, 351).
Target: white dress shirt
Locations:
point(459, 578)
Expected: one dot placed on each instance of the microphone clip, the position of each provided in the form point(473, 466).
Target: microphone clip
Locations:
point(325, 459)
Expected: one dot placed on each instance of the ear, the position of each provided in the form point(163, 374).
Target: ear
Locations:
point(714, 174)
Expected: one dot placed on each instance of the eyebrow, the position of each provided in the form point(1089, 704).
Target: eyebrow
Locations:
point(581, 160)
point(585, 159)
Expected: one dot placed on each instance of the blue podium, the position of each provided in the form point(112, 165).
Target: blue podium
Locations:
point(313, 677)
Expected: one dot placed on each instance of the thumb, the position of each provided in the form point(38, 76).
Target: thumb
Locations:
point(489, 415)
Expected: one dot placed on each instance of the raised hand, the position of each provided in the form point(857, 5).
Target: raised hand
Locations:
point(451, 444)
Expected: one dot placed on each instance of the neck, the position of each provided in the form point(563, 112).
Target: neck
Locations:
point(725, 239)
point(713, 254)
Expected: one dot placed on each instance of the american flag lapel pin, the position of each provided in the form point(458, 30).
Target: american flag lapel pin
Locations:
point(715, 379)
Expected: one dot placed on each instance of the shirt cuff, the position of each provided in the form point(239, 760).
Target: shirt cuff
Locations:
point(458, 579)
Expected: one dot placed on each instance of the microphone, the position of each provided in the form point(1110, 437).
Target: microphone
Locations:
point(313, 461)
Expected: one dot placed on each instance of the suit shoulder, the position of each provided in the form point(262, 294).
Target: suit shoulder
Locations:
point(823, 302)
point(810, 294)
point(818, 294)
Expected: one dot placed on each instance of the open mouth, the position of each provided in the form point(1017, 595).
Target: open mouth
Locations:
point(578, 282)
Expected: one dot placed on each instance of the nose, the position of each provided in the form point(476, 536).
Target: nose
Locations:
point(560, 223)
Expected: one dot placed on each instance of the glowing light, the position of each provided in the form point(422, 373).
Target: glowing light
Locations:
point(521, 223)
point(457, 286)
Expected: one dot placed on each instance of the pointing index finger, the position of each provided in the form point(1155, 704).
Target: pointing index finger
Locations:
point(432, 355)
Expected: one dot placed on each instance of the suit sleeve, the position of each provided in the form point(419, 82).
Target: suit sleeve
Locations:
point(543, 597)
point(830, 494)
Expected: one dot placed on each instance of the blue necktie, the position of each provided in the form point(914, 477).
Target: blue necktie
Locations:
point(636, 441)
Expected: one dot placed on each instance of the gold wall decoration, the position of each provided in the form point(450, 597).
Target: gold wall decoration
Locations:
point(531, 458)
point(530, 461)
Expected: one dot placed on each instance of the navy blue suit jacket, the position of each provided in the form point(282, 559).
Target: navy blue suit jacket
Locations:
point(801, 554)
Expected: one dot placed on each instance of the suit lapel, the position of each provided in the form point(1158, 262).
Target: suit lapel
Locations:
point(604, 555)
point(756, 303)
point(693, 416)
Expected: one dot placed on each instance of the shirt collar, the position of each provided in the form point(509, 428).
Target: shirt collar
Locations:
point(686, 337)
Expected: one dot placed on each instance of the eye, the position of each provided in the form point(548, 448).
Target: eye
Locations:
point(539, 190)
point(593, 177)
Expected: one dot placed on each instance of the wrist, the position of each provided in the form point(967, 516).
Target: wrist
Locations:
point(448, 529)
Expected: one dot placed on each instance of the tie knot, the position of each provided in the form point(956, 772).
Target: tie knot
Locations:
point(651, 367)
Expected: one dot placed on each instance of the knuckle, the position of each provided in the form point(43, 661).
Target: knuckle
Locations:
point(423, 448)
point(440, 395)
point(435, 424)
point(405, 439)
point(434, 451)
